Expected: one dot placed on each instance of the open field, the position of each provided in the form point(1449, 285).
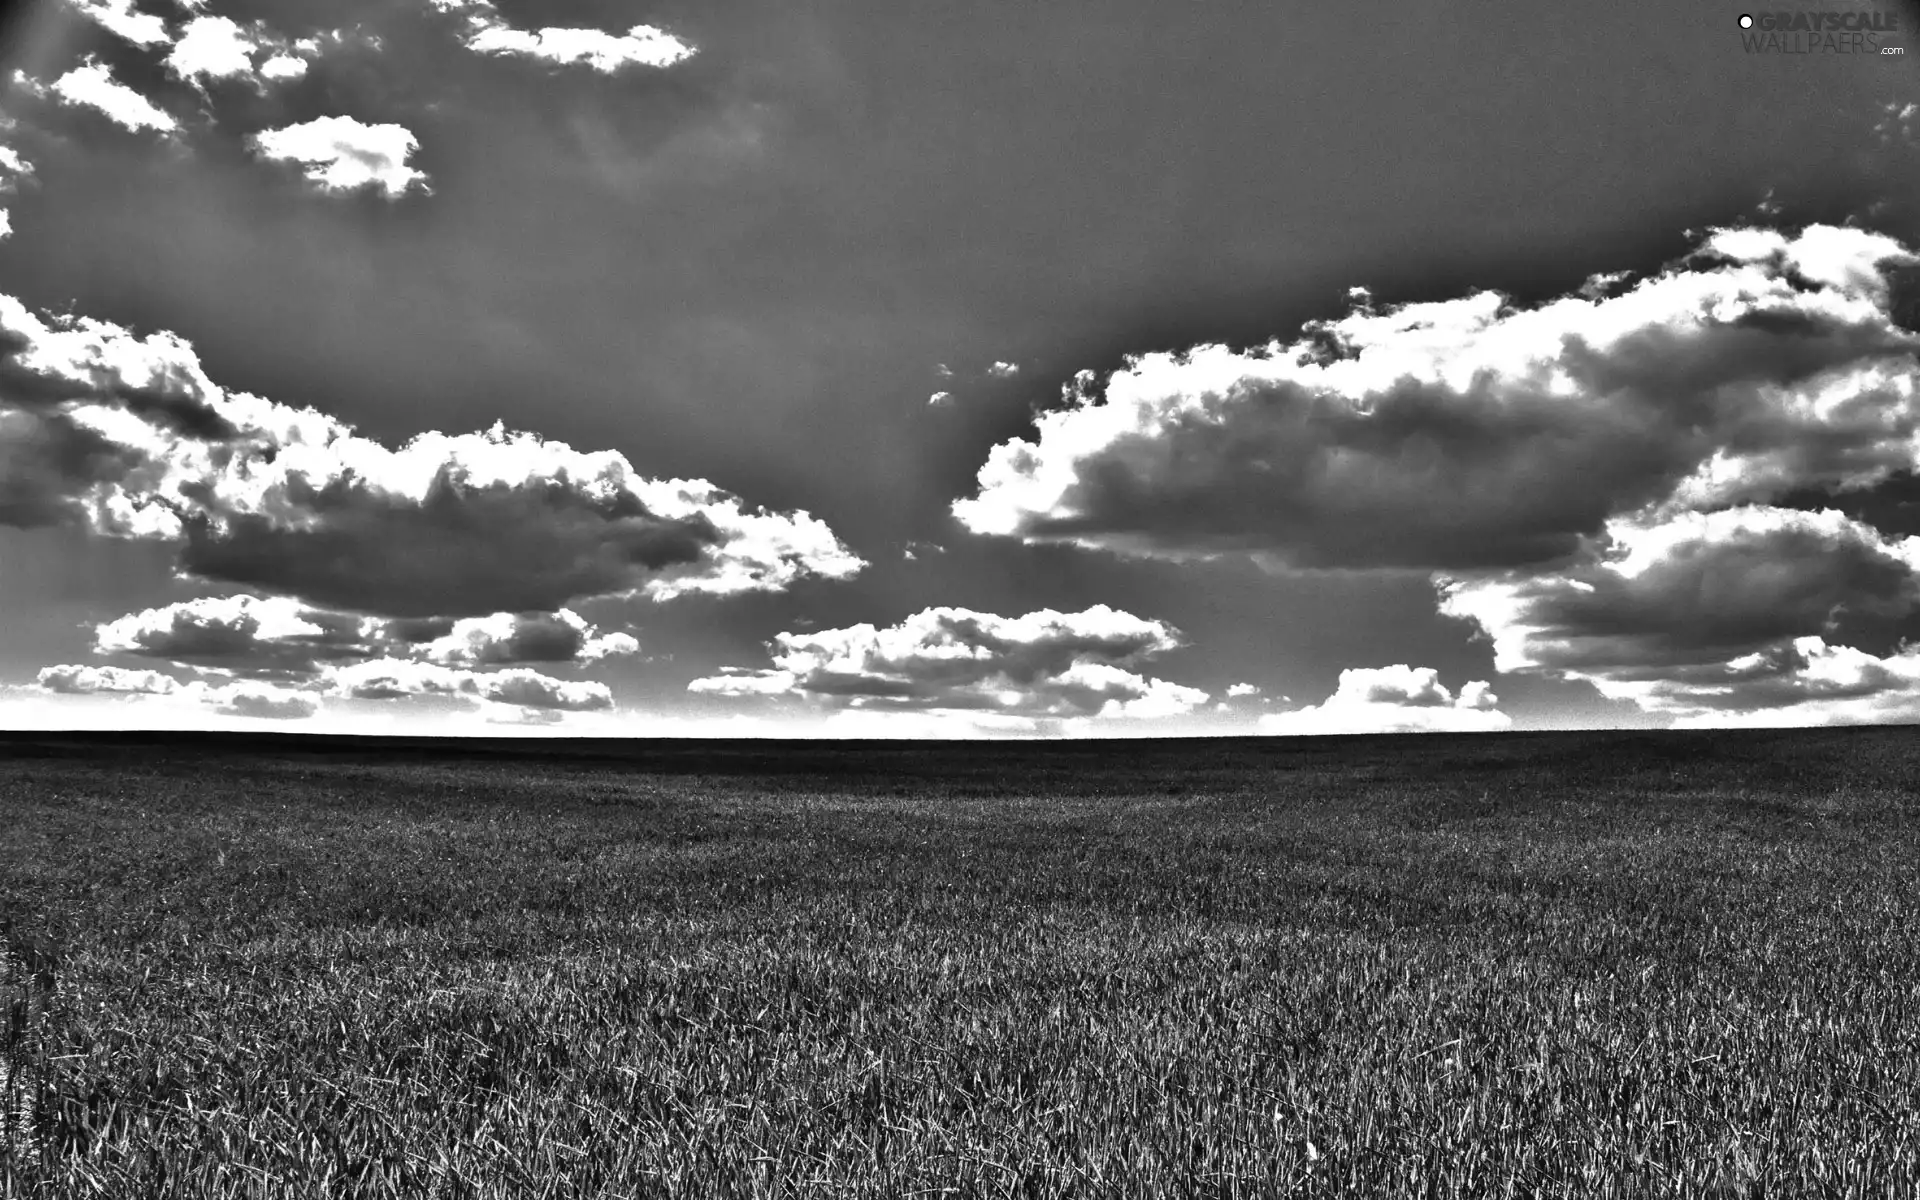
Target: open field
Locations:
point(1543, 964)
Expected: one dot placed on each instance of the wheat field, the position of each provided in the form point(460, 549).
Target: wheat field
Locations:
point(1579, 965)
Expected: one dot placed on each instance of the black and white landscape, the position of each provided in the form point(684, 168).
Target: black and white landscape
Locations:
point(877, 597)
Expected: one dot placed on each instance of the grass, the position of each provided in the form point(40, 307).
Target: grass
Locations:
point(1520, 965)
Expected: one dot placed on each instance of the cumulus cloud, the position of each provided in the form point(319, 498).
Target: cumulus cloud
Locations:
point(212, 48)
point(121, 18)
point(1805, 681)
point(391, 679)
point(47, 460)
point(342, 154)
point(940, 398)
point(79, 680)
point(127, 436)
point(530, 689)
point(640, 46)
point(1396, 699)
point(1241, 690)
point(1474, 434)
point(1003, 370)
point(1696, 588)
point(92, 85)
point(13, 168)
point(244, 634)
point(1044, 663)
point(263, 701)
point(283, 66)
point(1709, 614)
point(509, 638)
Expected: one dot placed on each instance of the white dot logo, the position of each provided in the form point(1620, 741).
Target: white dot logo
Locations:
point(1746, 21)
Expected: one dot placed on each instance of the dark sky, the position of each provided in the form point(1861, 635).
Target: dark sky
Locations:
point(754, 266)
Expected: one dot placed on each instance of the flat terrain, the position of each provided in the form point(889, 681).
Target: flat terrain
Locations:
point(1528, 964)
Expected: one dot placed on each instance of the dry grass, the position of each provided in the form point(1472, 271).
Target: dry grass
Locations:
point(1527, 966)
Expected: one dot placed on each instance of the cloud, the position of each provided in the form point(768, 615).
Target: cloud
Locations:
point(1473, 434)
point(1003, 370)
point(641, 45)
point(530, 689)
point(1045, 663)
point(940, 398)
point(391, 679)
point(47, 459)
point(121, 18)
point(1239, 690)
point(127, 436)
point(92, 85)
point(78, 680)
point(1715, 613)
point(283, 66)
point(1897, 122)
point(212, 48)
point(13, 168)
point(342, 155)
point(246, 634)
point(249, 699)
point(1696, 588)
point(1396, 699)
point(46, 365)
point(509, 638)
point(1802, 682)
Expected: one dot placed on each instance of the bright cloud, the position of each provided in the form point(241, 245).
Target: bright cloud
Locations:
point(1709, 616)
point(392, 679)
point(342, 154)
point(122, 19)
point(245, 634)
point(212, 48)
point(92, 85)
point(1044, 663)
point(1472, 434)
point(251, 699)
point(508, 638)
point(283, 66)
point(1696, 588)
point(1396, 699)
point(640, 46)
point(80, 680)
point(128, 436)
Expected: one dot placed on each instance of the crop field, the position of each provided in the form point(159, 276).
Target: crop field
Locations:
point(1580, 965)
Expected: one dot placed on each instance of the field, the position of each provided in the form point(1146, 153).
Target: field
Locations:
point(1513, 965)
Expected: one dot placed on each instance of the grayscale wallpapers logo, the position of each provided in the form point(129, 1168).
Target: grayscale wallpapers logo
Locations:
point(1804, 32)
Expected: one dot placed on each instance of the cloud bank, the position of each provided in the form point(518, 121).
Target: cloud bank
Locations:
point(1620, 486)
point(1042, 664)
point(1396, 699)
point(126, 435)
point(1471, 433)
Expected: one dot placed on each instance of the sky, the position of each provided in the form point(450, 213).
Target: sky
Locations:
point(1094, 368)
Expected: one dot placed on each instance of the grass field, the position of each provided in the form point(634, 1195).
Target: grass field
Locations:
point(1533, 964)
